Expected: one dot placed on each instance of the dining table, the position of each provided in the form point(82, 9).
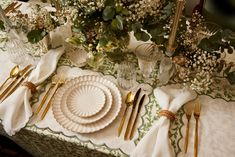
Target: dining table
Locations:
point(42, 138)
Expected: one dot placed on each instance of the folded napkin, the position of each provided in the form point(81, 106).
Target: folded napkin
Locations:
point(15, 111)
point(156, 142)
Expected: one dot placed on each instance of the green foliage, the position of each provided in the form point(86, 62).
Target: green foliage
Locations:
point(215, 43)
point(117, 23)
point(2, 27)
point(108, 13)
point(141, 35)
point(167, 11)
point(35, 36)
point(76, 40)
point(117, 55)
point(157, 34)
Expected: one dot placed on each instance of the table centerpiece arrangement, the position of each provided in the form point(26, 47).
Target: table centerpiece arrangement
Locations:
point(103, 28)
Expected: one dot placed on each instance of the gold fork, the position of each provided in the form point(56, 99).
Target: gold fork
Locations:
point(188, 111)
point(197, 110)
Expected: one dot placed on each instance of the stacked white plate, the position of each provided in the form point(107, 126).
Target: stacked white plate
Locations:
point(87, 104)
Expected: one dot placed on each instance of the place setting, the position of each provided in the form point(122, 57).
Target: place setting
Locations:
point(87, 104)
point(123, 78)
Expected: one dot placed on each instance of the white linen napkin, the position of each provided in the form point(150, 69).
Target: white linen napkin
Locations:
point(156, 142)
point(15, 111)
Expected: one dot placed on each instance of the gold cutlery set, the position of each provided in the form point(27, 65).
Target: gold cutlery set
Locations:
point(12, 7)
point(131, 100)
point(17, 77)
point(56, 83)
point(192, 107)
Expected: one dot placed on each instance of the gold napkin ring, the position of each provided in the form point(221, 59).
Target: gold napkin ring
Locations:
point(30, 85)
point(170, 115)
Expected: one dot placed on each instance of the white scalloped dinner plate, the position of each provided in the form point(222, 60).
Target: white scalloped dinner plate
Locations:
point(92, 127)
point(85, 100)
point(67, 112)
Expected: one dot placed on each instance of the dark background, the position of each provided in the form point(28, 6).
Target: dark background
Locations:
point(10, 149)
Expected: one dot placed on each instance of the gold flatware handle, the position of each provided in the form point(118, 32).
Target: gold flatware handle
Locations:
point(22, 72)
point(136, 97)
point(186, 136)
point(18, 84)
point(8, 88)
point(10, 7)
point(128, 126)
point(43, 100)
point(122, 122)
point(49, 102)
point(4, 83)
point(196, 140)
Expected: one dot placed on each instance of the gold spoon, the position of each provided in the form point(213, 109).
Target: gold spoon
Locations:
point(128, 101)
point(14, 72)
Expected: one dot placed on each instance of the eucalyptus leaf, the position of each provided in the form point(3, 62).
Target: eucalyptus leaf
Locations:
point(158, 31)
point(119, 22)
point(216, 37)
point(108, 13)
point(159, 39)
point(2, 27)
point(231, 77)
point(35, 36)
point(136, 26)
point(205, 45)
point(141, 35)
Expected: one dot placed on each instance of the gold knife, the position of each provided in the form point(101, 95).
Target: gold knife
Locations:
point(22, 72)
point(18, 84)
point(59, 83)
point(43, 100)
point(131, 116)
point(137, 115)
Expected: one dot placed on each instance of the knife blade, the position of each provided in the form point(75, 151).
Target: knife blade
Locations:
point(137, 115)
point(22, 72)
point(18, 84)
point(132, 111)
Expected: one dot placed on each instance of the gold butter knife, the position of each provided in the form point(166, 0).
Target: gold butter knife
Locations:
point(21, 73)
point(18, 84)
point(132, 112)
point(137, 115)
